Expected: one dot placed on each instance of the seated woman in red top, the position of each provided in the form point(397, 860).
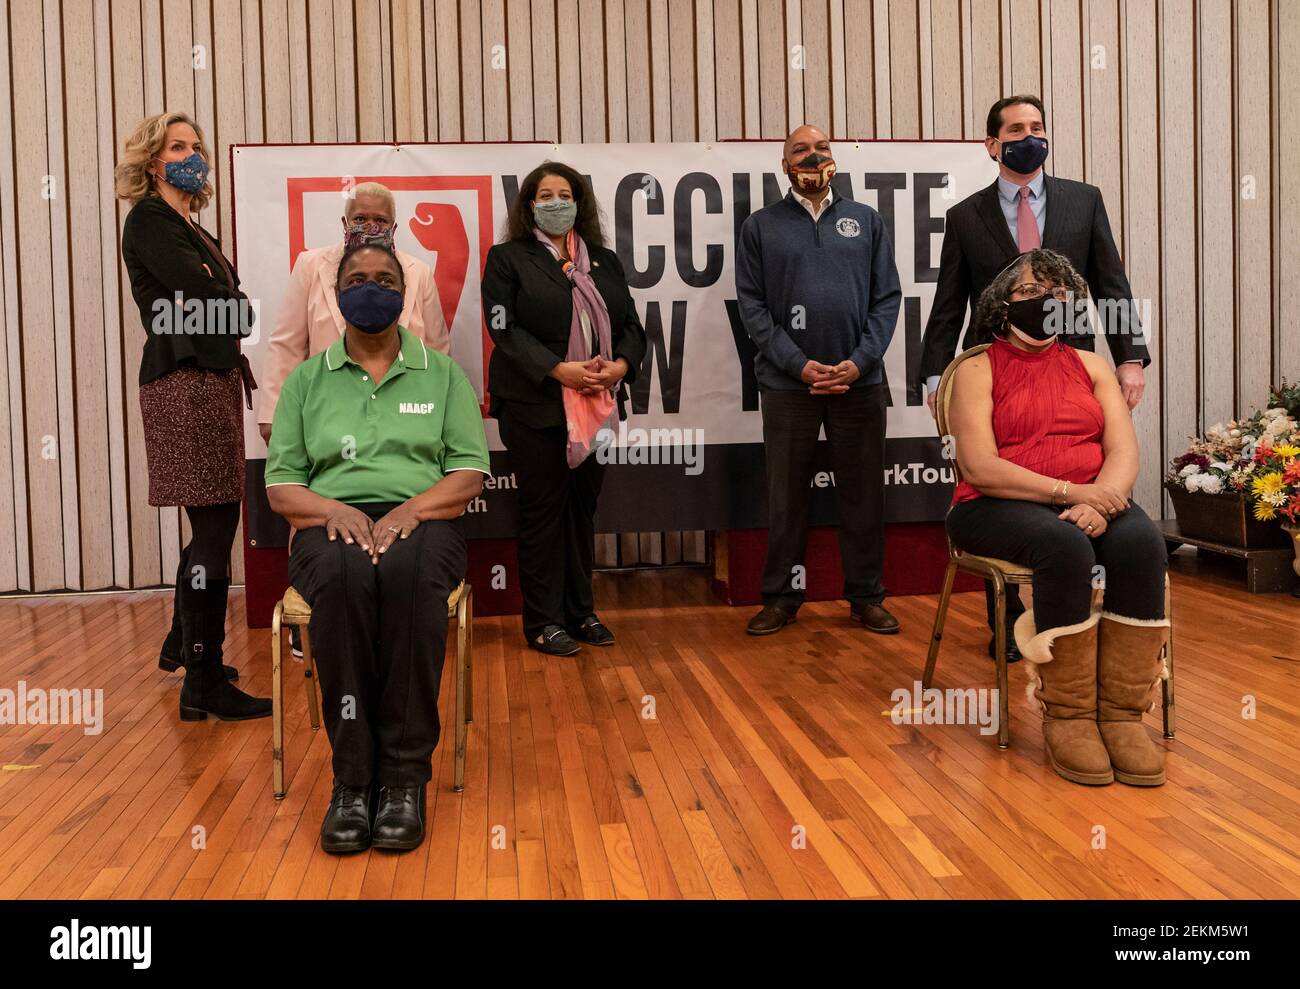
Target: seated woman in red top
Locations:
point(1048, 457)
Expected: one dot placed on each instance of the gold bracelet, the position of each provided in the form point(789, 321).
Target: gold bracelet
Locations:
point(1065, 494)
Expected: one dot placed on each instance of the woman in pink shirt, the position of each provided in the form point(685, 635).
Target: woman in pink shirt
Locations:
point(309, 319)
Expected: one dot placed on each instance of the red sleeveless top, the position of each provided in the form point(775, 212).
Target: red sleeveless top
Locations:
point(1045, 416)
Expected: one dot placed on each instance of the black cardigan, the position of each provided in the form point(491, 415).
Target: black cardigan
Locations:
point(531, 331)
point(165, 255)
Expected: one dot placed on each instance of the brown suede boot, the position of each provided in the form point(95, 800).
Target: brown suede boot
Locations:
point(1129, 667)
point(1062, 667)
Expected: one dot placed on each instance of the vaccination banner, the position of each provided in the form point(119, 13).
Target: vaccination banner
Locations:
point(690, 454)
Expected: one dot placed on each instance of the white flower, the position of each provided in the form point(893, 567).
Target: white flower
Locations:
point(1193, 481)
point(1211, 483)
point(1220, 465)
point(1189, 470)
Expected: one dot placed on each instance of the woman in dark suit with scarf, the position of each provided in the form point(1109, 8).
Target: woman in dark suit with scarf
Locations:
point(568, 341)
point(193, 385)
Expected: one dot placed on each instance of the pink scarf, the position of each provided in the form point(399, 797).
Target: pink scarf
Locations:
point(586, 415)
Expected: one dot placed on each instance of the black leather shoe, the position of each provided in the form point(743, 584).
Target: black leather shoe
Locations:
point(593, 632)
point(1013, 650)
point(555, 641)
point(875, 618)
point(771, 619)
point(399, 821)
point(346, 827)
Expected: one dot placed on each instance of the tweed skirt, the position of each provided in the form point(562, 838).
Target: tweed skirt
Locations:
point(194, 436)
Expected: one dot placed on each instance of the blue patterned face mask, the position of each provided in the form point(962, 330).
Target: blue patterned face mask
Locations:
point(187, 175)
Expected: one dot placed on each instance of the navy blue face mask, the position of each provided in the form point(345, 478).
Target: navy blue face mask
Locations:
point(370, 307)
point(1026, 156)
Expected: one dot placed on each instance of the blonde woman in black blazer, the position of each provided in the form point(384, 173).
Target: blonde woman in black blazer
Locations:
point(528, 303)
point(194, 383)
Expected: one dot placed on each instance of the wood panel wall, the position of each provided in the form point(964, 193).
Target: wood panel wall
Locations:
point(1185, 112)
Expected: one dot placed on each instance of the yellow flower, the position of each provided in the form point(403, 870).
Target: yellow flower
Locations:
point(1286, 452)
point(1265, 484)
point(1264, 511)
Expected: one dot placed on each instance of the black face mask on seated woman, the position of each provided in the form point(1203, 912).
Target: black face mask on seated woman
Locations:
point(1045, 317)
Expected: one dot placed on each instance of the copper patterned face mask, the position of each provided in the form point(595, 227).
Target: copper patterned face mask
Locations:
point(813, 173)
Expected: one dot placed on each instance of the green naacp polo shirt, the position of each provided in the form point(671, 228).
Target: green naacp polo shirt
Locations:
point(346, 437)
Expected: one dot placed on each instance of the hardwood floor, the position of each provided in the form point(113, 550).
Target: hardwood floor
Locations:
point(688, 761)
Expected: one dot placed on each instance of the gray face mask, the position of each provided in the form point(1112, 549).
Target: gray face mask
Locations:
point(555, 216)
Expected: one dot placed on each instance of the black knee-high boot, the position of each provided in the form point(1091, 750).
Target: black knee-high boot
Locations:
point(203, 629)
point(172, 656)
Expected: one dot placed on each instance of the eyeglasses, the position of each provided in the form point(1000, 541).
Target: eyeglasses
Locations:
point(1036, 290)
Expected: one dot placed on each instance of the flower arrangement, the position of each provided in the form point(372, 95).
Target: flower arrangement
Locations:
point(1275, 486)
point(1258, 458)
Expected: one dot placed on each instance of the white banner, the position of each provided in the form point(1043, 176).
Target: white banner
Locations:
point(672, 211)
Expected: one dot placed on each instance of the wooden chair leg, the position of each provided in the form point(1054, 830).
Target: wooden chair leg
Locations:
point(940, 616)
point(1000, 658)
point(462, 686)
point(309, 674)
point(277, 705)
point(467, 603)
point(1167, 684)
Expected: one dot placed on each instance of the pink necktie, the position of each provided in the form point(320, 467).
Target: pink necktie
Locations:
point(1026, 224)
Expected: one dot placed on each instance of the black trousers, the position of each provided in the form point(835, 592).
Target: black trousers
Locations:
point(1129, 557)
point(855, 430)
point(378, 633)
point(557, 528)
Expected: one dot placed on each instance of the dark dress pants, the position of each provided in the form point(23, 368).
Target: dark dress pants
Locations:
point(378, 633)
point(557, 528)
point(1129, 558)
point(855, 430)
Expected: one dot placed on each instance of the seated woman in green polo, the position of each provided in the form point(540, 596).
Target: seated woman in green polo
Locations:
point(376, 448)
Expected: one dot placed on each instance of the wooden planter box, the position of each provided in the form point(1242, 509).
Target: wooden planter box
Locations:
point(1223, 518)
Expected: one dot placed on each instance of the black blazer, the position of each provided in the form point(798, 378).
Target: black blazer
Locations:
point(530, 331)
point(977, 245)
point(165, 255)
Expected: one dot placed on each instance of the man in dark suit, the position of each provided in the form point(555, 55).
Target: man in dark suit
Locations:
point(1023, 209)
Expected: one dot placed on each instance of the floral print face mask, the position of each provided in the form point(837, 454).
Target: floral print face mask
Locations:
point(367, 232)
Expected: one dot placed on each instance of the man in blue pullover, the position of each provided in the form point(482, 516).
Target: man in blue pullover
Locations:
point(819, 296)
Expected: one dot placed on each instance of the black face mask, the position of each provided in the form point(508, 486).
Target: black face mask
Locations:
point(1025, 156)
point(1039, 319)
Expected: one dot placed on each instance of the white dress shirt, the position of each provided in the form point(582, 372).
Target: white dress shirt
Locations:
point(813, 211)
